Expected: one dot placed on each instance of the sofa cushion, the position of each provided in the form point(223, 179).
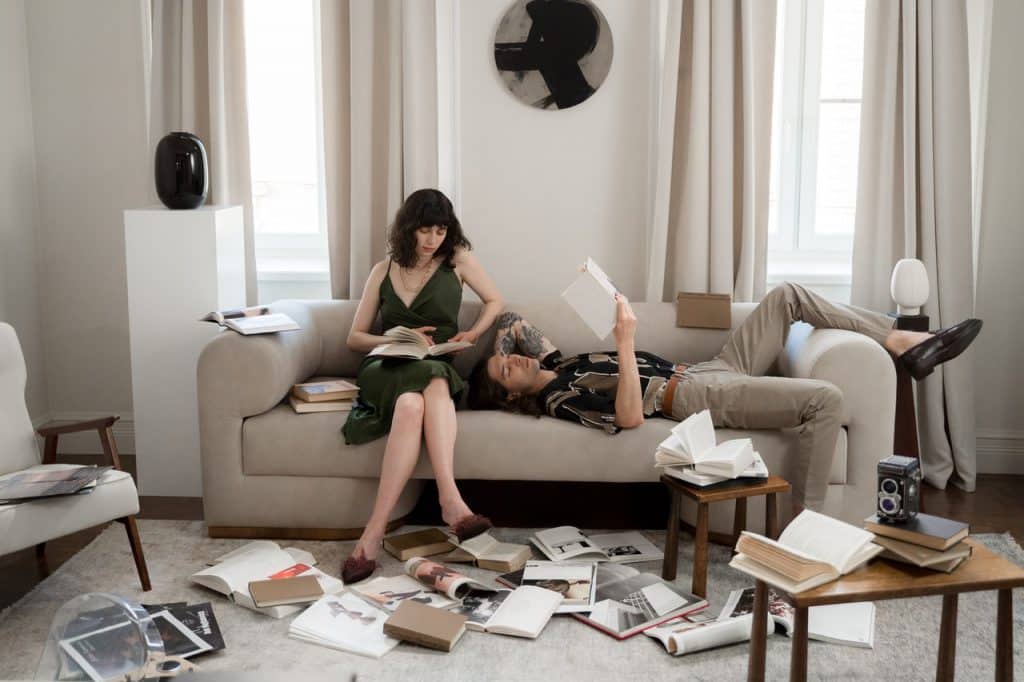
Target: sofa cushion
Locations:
point(282, 443)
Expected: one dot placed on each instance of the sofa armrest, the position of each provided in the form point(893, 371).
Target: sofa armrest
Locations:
point(241, 376)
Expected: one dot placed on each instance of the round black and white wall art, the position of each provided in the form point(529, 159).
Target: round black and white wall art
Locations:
point(553, 54)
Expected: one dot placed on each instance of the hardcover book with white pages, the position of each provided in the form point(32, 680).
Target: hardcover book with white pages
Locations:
point(522, 612)
point(592, 296)
point(410, 344)
point(485, 551)
point(692, 442)
point(568, 542)
point(813, 550)
point(575, 581)
point(254, 320)
point(850, 624)
point(262, 560)
point(689, 474)
point(345, 622)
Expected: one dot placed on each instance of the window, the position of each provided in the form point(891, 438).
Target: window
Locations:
point(815, 143)
point(283, 75)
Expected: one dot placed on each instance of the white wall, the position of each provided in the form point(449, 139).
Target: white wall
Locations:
point(541, 190)
point(19, 300)
point(85, 63)
point(1000, 298)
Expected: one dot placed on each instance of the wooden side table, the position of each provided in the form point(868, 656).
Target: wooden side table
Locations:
point(881, 580)
point(738, 490)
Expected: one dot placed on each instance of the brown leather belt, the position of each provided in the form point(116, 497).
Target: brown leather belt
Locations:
point(669, 395)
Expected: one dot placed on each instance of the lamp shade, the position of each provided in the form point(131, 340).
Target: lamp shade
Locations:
point(909, 286)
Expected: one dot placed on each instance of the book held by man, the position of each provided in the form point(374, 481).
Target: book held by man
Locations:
point(813, 550)
point(569, 542)
point(253, 320)
point(592, 296)
point(411, 345)
point(926, 530)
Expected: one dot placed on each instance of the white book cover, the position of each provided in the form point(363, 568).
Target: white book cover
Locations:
point(592, 296)
point(522, 612)
point(344, 622)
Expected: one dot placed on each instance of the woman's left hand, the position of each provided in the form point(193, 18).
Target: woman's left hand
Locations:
point(468, 336)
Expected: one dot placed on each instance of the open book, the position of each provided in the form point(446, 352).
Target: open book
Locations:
point(486, 552)
point(409, 344)
point(345, 622)
point(692, 442)
point(522, 612)
point(628, 602)
point(568, 542)
point(260, 560)
point(575, 581)
point(813, 550)
point(700, 631)
point(592, 296)
point(851, 624)
point(255, 320)
point(688, 473)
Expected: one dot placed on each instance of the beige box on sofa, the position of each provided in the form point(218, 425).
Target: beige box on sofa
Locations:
point(270, 471)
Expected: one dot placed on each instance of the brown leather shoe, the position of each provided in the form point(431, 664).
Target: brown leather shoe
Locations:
point(471, 526)
point(356, 568)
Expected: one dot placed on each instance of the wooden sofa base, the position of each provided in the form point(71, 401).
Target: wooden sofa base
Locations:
point(258, 532)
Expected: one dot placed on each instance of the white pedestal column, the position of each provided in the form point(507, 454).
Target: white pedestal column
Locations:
point(181, 265)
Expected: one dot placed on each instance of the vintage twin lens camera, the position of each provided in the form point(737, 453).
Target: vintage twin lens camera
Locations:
point(899, 489)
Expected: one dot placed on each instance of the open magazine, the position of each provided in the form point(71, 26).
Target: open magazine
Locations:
point(592, 296)
point(254, 320)
point(692, 442)
point(410, 344)
point(569, 542)
point(701, 631)
point(345, 622)
point(575, 581)
point(262, 560)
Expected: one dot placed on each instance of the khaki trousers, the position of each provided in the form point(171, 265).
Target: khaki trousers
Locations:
point(738, 395)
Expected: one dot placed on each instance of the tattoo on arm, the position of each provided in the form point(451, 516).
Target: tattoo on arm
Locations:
point(516, 333)
point(505, 339)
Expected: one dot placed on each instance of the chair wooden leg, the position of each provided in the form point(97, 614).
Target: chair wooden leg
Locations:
point(136, 545)
point(110, 446)
point(44, 566)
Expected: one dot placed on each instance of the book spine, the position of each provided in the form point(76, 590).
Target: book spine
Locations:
point(417, 638)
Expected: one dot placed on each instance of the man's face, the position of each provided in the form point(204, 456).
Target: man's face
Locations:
point(516, 373)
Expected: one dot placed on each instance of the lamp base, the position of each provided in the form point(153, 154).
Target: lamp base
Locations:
point(911, 323)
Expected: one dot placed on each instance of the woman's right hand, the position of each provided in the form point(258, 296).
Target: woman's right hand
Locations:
point(625, 321)
point(425, 333)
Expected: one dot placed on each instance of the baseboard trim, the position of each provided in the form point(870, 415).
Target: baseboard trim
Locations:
point(87, 442)
point(1000, 451)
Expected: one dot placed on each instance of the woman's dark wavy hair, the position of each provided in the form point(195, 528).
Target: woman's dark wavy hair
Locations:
point(425, 208)
point(487, 394)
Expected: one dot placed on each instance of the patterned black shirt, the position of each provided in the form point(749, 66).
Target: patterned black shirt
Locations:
point(584, 390)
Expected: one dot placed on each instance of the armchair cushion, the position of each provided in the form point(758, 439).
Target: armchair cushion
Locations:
point(18, 448)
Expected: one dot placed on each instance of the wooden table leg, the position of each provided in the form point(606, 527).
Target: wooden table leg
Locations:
point(798, 655)
point(699, 584)
point(771, 516)
point(1004, 636)
point(668, 564)
point(739, 519)
point(947, 639)
point(758, 634)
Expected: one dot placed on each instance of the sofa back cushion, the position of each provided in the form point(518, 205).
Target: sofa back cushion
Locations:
point(17, 439)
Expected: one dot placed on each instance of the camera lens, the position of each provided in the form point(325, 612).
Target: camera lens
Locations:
point(887, 504)
point(890, 486)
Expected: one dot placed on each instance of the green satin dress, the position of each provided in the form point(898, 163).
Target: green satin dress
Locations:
point(382, 380)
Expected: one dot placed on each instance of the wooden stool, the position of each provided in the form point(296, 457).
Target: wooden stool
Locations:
point(738, 490)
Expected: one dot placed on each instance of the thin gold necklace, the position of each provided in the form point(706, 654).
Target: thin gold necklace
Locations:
point(423, 278)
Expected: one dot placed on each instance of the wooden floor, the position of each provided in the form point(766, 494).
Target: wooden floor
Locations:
point(995, 507)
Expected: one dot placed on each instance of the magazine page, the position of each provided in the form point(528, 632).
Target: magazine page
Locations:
point(566, 542)
point(822, 537)
point(741, 603)
point(479, 607)
point(525, 612)
point(851, 624)
point(628, 547)
point(700, 632)
point(575, 581)
point(440, 578)
point(626, 605)
point(344, 622)
point(389, 593)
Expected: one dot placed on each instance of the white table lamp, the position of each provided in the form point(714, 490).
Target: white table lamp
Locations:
point(909, 286)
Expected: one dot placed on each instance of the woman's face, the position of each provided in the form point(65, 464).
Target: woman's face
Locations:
point(516, 373)
point(429, 239)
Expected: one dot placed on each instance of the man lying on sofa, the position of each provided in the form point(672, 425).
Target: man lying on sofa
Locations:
point(618, 390)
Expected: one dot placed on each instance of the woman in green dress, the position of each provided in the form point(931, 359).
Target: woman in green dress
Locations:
point(420, 287)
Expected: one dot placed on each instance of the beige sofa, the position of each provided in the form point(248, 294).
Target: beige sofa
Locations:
point(269, 471)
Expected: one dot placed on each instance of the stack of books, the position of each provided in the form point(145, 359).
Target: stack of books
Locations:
point(332, 395)
point(691, 454)
point(927, 541)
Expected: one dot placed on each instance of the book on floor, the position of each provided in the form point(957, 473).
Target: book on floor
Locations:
point(345, 622)
point(575, 581)
point(409, 344)
point(924, 557)
point(420, 624)
point(569, 542)
point(426, 542)
point(522, 612)
point(687, 472)
point(262, 559)
point(32, 485)
point(253, 320)
point(440, 578)
point(850, 624)
point(933, 532)
point(178, 638)
point(813, 550)
point(201, 620)
point(484, 551)
point(301, 589)
point(391, 592)
point(628, 602)
point(692, 442)
point(701, 631)
point(302, 407)
point(592, 296)
point(325, 391)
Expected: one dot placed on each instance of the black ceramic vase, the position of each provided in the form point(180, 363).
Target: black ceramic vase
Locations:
point(182, 178)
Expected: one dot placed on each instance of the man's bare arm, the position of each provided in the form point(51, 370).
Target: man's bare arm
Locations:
point(516, 334)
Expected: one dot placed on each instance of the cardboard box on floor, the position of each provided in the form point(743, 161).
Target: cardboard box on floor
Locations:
point(705, 311)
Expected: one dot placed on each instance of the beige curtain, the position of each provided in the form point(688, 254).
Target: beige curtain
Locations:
point(379, 72)
point(914, 200)
point(195, 81)
point(710, 215)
